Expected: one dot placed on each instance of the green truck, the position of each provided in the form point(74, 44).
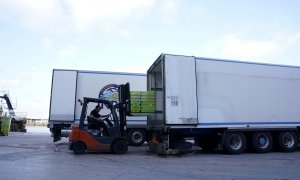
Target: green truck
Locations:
point(10, 122)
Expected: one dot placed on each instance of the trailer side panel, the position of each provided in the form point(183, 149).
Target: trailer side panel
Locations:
point(234, 94)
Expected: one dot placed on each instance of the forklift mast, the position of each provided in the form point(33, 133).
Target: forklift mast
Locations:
point(124, 105)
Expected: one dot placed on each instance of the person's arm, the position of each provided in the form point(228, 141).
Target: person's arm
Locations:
point(93, 116)
point(104, 116)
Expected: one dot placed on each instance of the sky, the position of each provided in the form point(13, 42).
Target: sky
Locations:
point(37, 36)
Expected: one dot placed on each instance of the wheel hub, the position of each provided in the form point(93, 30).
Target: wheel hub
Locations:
point(137, 137)
point(235, 142)
point(288, 140)
point(262, 141)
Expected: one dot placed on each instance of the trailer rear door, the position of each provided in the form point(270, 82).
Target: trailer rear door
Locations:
point(180, 89)
point(63, 93)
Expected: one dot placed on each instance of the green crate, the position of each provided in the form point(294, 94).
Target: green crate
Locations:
point(5, 125)
point(142, 101)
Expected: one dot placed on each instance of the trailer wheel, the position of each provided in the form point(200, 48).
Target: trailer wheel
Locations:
point(235, 142)
point(136, 137)
point(79, 148)
point(262, 142)
point(287, 141)
point(119, 147)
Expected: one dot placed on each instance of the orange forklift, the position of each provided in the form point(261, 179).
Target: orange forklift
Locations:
point(84, 138)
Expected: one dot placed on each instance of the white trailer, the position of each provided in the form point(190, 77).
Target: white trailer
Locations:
point(70, 85)
point(223, 104)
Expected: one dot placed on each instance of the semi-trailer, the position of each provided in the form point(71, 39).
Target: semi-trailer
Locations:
point(223, 104)
point(70, 85)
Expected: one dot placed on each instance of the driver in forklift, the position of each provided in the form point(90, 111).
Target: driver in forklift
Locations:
point(99, 119)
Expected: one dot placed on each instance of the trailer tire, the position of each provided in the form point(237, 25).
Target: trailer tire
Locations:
point(136, 137)
point(287, 141)
point(262, 142)
point(79, 148)
point(119, 147)
point(235, 142)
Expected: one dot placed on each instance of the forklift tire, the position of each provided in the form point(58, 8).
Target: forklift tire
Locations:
point(119, 147)
point(79, 148)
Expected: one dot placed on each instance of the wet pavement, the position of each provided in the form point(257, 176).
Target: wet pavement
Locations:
point(35, 156)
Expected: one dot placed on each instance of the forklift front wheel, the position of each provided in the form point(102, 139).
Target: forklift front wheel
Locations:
point(119, 147)
point(79, 148)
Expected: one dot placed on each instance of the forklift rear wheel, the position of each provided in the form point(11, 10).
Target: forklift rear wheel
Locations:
point(79, 148)
point(119, 147)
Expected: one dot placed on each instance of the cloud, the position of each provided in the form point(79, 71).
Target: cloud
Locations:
point(81, 16)
point(237, 47)
point(294, 40)
point(33, 74)
point(60, 16)
point(278, 48)
point(169, 11)
point(37, 109)
point(69, 51)
point(31, 90)
point(170, 6)
point(6, 84)
point(46, 15)
point(46, 43)
point(103, 13)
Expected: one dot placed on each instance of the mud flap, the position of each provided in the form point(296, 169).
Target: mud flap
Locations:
point(56, 135)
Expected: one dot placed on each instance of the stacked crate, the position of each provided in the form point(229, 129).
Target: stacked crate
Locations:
point(142, 102)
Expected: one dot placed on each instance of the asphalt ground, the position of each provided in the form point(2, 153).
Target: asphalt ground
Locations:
point(34, 156)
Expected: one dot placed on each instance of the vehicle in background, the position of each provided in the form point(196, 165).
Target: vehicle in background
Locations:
point(223, 104)
point(70, 85)
point(10, 122)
